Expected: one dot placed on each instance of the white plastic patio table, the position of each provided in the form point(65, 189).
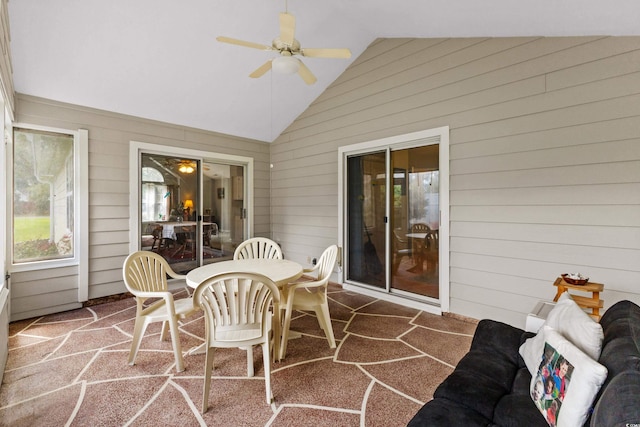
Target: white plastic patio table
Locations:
point(281, 271)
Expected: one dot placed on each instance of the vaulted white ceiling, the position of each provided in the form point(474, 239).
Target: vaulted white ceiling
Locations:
point(158, 59)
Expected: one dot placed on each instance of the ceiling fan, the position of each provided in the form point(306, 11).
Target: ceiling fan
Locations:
point(288, 47)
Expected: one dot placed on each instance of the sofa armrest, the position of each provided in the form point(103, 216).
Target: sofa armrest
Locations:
point(619, 403)
point(486, 373)
point(499, 339)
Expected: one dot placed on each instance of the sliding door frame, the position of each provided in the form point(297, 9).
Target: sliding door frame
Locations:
point(137, 148)
point(441, 135)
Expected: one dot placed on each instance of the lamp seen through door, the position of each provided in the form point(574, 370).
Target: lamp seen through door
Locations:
point(188, 205)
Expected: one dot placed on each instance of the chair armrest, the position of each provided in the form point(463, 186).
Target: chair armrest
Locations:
point(312, 284)
point(165, 298)
point(175, 275)
point(155, 294)
point(309, 270)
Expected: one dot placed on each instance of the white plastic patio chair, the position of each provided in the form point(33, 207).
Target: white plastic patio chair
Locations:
point(310, 296)
point(145, 276)
point(237, 311)
point(258, 247)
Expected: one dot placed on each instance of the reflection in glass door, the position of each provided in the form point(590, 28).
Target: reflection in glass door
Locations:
point(188, 224)
point(224, 213)
point(169, 197)
point(366, 219)
point(398, 187)
point(415, 220)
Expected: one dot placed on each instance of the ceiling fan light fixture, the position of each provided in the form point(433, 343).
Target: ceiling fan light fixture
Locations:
point(186, 168)
point(285, 65)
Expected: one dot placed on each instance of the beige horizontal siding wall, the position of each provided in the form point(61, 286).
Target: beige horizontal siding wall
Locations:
point(109, 139)
point(544, 159)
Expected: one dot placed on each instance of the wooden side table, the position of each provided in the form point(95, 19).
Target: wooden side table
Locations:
point(593, 303)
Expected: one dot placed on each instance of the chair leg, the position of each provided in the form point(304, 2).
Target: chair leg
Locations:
point(165, 329)
point(285, 329)
point(396, 263)
point(277, 334)
point(138, 332)
point(324, 319)
point(250, 371)
point(266, 358)
point(208, 367)
point(189, 290)
point(175, 340)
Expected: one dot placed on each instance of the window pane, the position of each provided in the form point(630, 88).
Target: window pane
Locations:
point(151, 175)
point(415, 220)
point(43, 195)
point(154, 202)
point(366, 206)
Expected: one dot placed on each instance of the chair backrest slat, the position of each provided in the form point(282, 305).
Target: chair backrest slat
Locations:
point(258, 247)
point(327, 262)
point(235, 301)
point(145, 271)
point(420, 228)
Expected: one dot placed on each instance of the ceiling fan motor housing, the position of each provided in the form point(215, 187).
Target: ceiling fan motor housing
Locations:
point(294, 48)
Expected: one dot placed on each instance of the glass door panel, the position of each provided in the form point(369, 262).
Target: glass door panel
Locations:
point(366, 198)
point(223, 210)
point(415, 220)
point(169, 198)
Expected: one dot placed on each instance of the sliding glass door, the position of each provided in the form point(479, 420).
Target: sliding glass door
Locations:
point(192, 210)
point(392, 217)
point(415, 220)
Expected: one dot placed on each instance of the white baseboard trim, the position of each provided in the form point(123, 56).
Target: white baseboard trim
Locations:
point(406, 302)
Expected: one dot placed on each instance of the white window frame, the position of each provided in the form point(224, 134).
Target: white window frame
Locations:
point(81, 209)
point(5, 300)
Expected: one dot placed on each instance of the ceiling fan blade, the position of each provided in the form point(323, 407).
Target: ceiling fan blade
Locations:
point(306, 74)
point(252, 45)
point(326, 53)
point(261, 70)
point(287, 28)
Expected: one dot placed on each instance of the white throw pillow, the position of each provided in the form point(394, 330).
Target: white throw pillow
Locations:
point(569, 378)
point(571, 322)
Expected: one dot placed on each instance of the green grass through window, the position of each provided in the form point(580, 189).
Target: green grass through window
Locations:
point(26, 228)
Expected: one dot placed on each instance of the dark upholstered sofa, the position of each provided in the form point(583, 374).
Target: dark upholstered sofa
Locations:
point(490, 385)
